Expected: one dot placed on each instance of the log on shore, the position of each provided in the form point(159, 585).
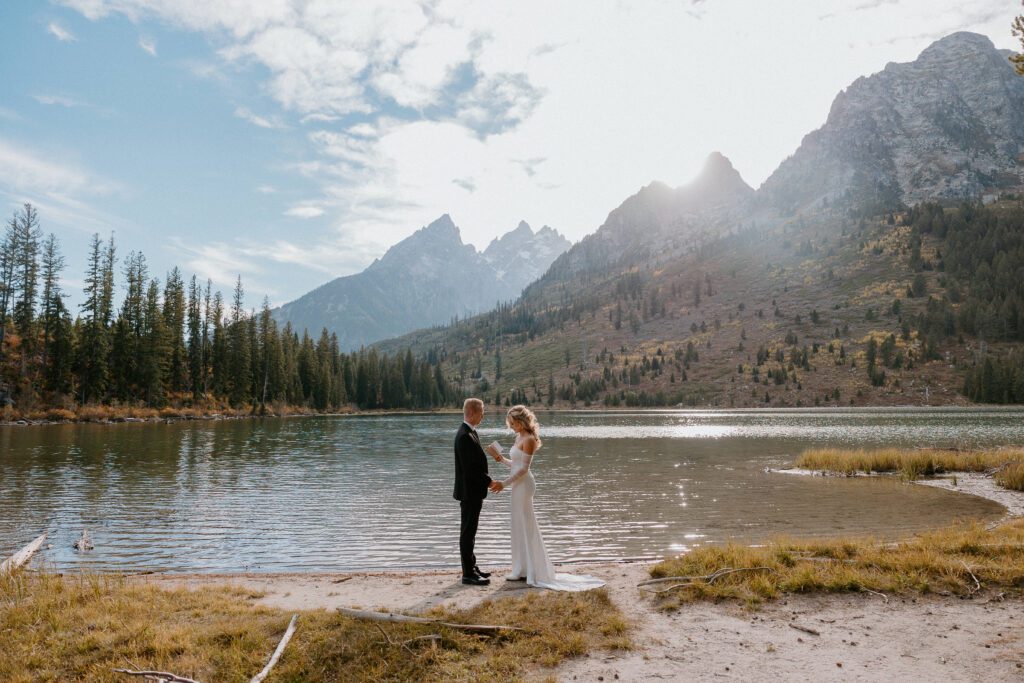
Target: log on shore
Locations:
point(258, 678)
point(22, 556)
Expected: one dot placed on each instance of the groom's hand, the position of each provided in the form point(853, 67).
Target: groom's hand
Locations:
point(496, 487)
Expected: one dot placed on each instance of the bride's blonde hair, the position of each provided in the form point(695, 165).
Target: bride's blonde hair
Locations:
point(525, 417)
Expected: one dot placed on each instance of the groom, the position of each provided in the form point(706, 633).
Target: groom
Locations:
point(471, 482)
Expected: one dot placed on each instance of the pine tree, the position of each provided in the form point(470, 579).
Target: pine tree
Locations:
point(94, 346)
point(154, 349)
point(52, 311)
point(196, 335)
point(219, 349)
point(174, 324)
point(25, 282)
point(7, 248)
point(240, 352)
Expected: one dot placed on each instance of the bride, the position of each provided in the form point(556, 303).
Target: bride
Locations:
point(530, 561)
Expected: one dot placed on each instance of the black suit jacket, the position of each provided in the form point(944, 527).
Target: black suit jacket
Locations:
point(471, 478)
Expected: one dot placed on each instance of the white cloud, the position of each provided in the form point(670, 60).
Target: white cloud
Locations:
point(59, 101)
point(148, 45)
point(246, 114)
point(551, 112)
point(266, 189)
point(222, 264)
point(64, 193)
point(60, 33)
point(306, 211)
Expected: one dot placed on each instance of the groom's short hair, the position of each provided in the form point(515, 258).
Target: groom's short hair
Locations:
point(472, 405)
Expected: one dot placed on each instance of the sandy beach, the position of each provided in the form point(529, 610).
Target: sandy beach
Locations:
point(819, 637)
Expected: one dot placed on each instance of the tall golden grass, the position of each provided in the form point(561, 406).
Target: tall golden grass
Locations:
point(944, 561)
point(909, 462)
point(78, 628)
point(1011, 476)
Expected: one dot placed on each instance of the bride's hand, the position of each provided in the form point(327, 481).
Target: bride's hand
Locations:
point(494, 453)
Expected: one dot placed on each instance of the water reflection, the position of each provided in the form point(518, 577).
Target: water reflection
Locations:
point(375, 491)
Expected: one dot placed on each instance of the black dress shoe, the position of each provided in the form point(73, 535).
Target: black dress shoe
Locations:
point(486, 575)
point(475, 581)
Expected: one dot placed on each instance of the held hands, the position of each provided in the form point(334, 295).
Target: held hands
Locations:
point(496, 487)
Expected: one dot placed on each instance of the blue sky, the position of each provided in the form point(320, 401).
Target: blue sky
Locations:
point(293, 142)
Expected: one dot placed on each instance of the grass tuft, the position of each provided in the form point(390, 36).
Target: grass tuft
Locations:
point(1011, 476)
point(58, 628)
point(936, 562)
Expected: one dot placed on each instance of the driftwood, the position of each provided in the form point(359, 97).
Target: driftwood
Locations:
point(798, 627)
point(977, 584)
point(868, 590)
point(693, 580)
point(22, 556)
point(161, 676)
point(83, 543)
point(258, 678)
point(407, 619)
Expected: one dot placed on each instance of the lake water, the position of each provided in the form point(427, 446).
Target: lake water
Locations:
point(369, 492)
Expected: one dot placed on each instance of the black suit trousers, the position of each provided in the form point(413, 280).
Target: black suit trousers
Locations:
point(467, 535)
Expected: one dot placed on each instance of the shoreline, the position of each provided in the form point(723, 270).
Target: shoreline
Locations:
point(174, 415)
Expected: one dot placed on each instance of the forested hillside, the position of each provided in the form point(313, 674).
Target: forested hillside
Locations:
point(921, 306)
point(176, 345)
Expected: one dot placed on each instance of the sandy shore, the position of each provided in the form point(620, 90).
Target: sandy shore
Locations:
point(858, 636)
point(861, 637)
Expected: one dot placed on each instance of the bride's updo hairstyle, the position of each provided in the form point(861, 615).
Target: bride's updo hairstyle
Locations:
point(525, 417)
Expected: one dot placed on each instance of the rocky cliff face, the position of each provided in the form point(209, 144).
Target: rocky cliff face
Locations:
point(659, 221)
point(948, 125)
point(424, 280)
point(521, 256)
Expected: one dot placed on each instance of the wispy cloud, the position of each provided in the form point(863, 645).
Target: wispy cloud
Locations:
point(60, 101)
point(64, 192)
point(246, 114)
point(222, 263)
point(266, 189)
point(148, 45)
point(60, 33)
point(304, 211)
point(466, 184)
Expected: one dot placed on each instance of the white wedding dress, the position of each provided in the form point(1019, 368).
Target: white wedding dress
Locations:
point(529, 557)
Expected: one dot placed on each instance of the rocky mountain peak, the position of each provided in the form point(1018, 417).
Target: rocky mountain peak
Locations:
point(957, 45)
point(424, 280)
point(719, 178)
point(948, 125)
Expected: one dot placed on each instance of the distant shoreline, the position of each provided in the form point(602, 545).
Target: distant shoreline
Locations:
point(106, 415)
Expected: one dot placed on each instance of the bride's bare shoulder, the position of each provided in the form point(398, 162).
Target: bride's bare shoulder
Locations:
point(529, 444)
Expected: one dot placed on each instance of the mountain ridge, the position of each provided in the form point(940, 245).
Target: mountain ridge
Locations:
point(426, 279)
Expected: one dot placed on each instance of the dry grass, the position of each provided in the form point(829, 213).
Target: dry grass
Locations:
point(58, 628)
point(1011, 476)
point(936, 562)
point(909, 462)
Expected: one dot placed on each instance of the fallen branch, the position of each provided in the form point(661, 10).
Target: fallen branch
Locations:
point(868, 590)
point(22, 556)
point(407, 619)
point(157, 676)
point(977, 584)
point(694, 580)
point(798, 627)
point(258, 678)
